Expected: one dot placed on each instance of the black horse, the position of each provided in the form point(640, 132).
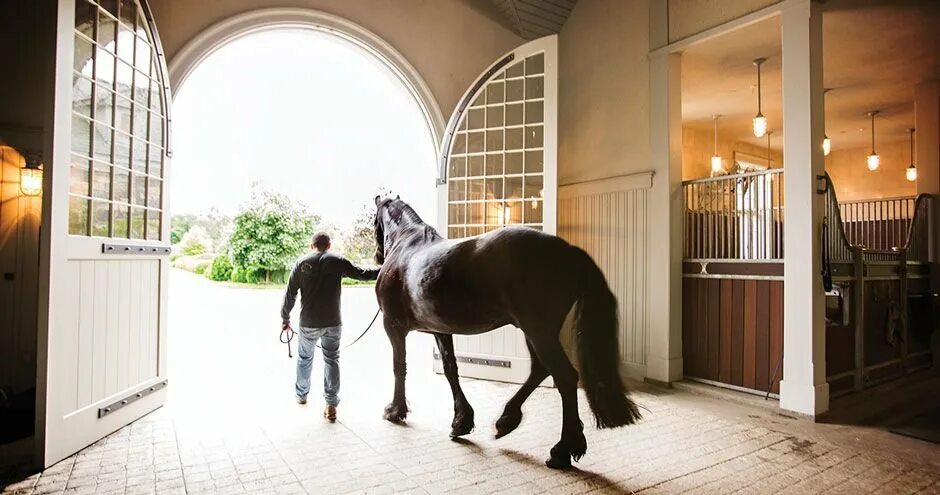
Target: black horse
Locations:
point(515, 275)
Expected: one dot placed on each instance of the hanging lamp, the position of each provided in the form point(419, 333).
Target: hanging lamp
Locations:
point(911, 172)
point(827, 143)
point(873, 159)
point(759, 122)
point(717, 167)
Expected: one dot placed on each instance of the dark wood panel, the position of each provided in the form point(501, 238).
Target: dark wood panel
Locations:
point(737, 332)
point(762, 351)
point(701, 331)
point(776, 335)
point(714, 332)
point(750, 333)
point(724, 337)
point(688, 319)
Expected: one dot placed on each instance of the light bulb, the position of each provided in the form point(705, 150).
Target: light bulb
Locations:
point(507, 215)
point(873, 162)
point(716, 164)
point(827, 145)
point(31, 181)
point(911, 173)
point(760, 125)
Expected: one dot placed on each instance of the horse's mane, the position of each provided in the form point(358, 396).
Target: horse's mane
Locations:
point(414, 221)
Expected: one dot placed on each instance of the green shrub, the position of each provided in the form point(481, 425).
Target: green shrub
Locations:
point(200, 268)
point(255, 276)
point(221, 269)
point(195, 241)
point(238, 275)
point(174, 256)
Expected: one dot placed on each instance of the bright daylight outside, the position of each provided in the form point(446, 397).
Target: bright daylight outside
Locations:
point(276, 136)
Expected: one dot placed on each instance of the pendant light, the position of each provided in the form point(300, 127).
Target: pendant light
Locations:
point(717, 167)
point(827, 143)
point(873, 159)
point(911, 172)
point(759, 122)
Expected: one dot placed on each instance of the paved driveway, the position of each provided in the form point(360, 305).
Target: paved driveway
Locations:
point(231, 426)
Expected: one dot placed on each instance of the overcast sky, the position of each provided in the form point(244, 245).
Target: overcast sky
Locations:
point(309, 115)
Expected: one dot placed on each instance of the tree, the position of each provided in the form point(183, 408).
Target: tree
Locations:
point(270, 234)
point(359, 242)
point(216, 225)
point(195, 241)
point(179, 225)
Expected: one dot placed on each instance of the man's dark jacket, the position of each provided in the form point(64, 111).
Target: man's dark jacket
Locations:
point(318, 277)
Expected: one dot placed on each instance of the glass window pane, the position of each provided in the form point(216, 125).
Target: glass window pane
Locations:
point(475, 166)
point(515, 70)
point(475, 190)
point(104, 101)
point(82, 58)
point(457, 190)
point(78, 178)
point(110, 6)
point(475, 142)
point(514, 138)
point(140, 156)
point(154, 193)
point(463, 122)
point(154, 224)
point(460, 143)
point(494, 213)
point(535, 64)
point(494, 164)
point(140, 122)
point(120, 221)
point(456, 232)
point(103, 137)
point(533, 161)
point(137, 223)
point(477, 118)
point(85, 16)
point(107, 30)
point(458, 167)
point(532, 212)
point(533, 137)
point(514, 90)
point(104, 67)
point(494, 116)
point(100, 218)
point(494, 140)
point(514, 187)
point(514, 214)
point(78, 216)
point(142, 57)
point(122, 185)
point(101, 181)
point(475, 213)
point(138, 189)
point(122, 115)
point(156, 129)
point(494, 92)
point(494, 188)
point(156, 101)
point(533, 112)
point(472, 231)
point(81, 97)
point(534, 88)
point(514, 114)
point(81, 135)
point(142, 89)
point(456, 213)
point(128, 12)
point(156, 161)
point(125, 44)
point(122, 150)
point(513, 163)
point(533, 187)
point(479, 99)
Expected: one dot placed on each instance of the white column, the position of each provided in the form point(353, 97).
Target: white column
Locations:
point(804, 388)
point(664, 358)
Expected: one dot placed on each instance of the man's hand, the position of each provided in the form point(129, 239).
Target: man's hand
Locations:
point(285, 326)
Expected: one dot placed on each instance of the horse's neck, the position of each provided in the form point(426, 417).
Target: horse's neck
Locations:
point(413, 235)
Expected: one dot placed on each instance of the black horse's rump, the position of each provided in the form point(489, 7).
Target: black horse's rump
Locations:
point(515, 275)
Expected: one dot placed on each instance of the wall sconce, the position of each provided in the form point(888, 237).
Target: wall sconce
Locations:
point(31, 176)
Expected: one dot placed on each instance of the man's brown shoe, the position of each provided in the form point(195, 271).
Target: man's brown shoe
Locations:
point(330, 413)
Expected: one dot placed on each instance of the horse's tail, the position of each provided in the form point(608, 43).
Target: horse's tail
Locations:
point(597, 349)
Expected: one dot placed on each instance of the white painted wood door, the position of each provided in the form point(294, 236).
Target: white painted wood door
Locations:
point(498, 168)
point(104, 334)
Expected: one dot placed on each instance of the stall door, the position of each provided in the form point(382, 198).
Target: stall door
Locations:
point(498, 168)
point(108, 235)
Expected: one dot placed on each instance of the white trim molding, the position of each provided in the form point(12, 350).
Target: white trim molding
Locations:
point(208, 41)
point(620, 183)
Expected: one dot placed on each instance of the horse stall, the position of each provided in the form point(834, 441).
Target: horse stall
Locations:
point(877, 274)
point(732, 285)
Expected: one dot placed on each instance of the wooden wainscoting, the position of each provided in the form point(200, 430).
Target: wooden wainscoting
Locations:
point(732, 331)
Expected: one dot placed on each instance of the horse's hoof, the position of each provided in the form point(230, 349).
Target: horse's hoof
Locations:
point(560, 459)
point(507, 423)
point(395, 413)
point(461, 430)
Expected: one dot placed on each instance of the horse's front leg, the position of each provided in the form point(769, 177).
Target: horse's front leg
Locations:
point(463, 413)
point(397, 410)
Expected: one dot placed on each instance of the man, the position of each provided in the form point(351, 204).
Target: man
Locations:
point(318, 277)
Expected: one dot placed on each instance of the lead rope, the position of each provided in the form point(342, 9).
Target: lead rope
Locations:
point(287, 335)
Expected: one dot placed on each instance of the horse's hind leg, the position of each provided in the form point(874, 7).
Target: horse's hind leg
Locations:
point(463, 413)
point(572, 443)
point(512, 413)
point(397, 410)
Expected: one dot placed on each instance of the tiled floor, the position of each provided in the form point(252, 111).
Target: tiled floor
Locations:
point(231, 427)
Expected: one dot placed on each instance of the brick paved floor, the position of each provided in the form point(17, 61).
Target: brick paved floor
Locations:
point(231, 426)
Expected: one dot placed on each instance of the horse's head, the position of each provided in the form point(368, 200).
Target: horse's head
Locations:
point(381, 218)
point(395, 219)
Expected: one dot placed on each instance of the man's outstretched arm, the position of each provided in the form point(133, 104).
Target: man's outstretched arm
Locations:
point(352, 271)
point(290, 296)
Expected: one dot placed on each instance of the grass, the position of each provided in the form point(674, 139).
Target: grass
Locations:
point(347, 282)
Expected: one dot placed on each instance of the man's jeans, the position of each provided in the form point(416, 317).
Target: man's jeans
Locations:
point(329, 341)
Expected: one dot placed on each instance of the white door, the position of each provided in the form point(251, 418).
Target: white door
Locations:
point(105, 331)
point(498, 168)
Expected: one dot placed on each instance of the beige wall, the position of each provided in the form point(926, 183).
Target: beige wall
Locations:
point(698, 146)
point(688, 17)
point(853, 180)
point(449, 42)
point(603, 128)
